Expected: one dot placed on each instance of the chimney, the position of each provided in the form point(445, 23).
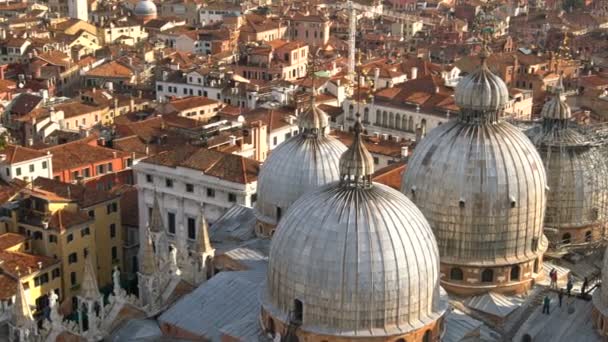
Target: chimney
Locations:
point(232, 140)
point(414, 73)
point(30, 141)
point(404, 152)
point(147, 150)
point(101, 141)
point(384, 136)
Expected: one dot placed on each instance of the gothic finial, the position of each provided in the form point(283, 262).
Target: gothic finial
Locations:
point(22, 315)
point(155, 223)
point(204, 242)
point(148, 264)
point(89, 288)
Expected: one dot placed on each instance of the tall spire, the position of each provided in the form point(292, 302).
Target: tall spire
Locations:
point(313, 121)
point(155, 223)
point(89, 288)
point(204, 243)
point(357, 164)
point(148, 264)
point(22, 315)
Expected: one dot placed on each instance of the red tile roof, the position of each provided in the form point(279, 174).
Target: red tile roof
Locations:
point(8, 240)
point(78, 153)
point(17, 154)
point(228, 167)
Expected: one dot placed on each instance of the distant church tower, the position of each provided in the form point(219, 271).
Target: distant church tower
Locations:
point(78, 9)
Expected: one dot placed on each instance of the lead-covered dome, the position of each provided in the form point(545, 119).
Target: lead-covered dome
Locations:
point(480, 183)
point(297, 166)
point(145, 8)
point(482, 90)
point(355, 259)
point(577, 175)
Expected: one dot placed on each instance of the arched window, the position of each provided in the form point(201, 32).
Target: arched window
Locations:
point(456, 274)
point(298, 310)
point(404, 123)
point(588, 236)
point(391, 120)
point(378, 117)
point(410, 124)
point(536, 264)
point(270, 327)
point(487, 276)
point(397, 121)
point(366, 115)
point(515, 272)
point(384, 119)
point(427, 336)
point(566, 238)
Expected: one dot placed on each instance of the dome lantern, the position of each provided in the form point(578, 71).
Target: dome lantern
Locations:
point(357, 164)
point(481, 95)
point(556, 110)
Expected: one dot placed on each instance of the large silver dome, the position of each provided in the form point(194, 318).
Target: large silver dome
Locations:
point(297, 166)
point(359, 257)
point(481, 185)
point(576, 170)
point(145, 8)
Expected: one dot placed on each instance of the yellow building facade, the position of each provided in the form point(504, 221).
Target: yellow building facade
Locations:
point(69, 223)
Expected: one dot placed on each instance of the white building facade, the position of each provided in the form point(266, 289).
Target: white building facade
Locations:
point(183, 194)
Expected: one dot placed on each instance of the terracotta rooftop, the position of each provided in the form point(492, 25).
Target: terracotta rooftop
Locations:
point(111, 69)
point(17, 154)
point(64, 219)
point(228, 167)
point(192, 102)
point(390, 175)
point(78, 154)
point(83, 195)
point(23, 263)
point(8, 240)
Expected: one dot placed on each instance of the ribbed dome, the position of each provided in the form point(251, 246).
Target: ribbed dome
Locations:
point(362, 260)
point(556, 108)
point(576, 172)
point(481, 185)
point(482, 90)
point(297, 166)
point(145, 8)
